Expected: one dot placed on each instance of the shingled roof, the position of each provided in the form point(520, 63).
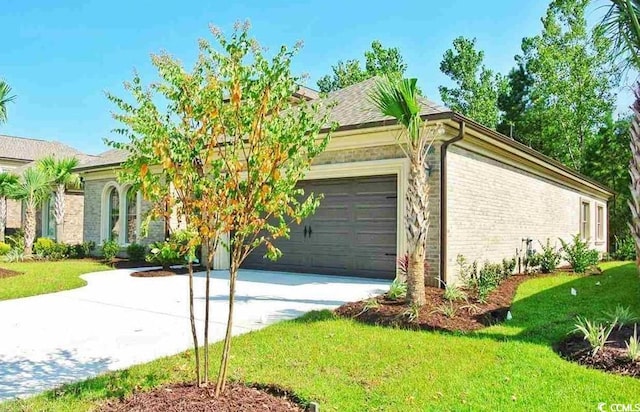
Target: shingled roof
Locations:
point(351, 109)
point(28, 150)
point(354, 109)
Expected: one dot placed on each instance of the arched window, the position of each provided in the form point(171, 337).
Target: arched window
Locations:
point(48, 218)
point(130, 230)
point(113, 213)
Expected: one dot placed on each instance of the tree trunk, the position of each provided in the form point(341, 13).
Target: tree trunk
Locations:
point(634, 171)
point(417, 223)
point(58, 212)
point(192, 319)
point(226, 349)
point(29, 226)
point(210, 250)
point(3, 217)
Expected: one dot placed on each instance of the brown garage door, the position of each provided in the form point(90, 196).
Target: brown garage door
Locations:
point(352, 233)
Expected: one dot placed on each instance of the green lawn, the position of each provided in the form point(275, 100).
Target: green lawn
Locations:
point(45, 277)
point(346, 366)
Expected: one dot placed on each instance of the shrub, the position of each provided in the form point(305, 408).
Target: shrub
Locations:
point(595, 333)
point(446, 309)
point(412, 313)
point(622, 316)
point(4, 248)
point(59, 251)
point(508, 266)
point(136, 252)
point(633, 346)
point(16, 240)
point(88, 248)
point(454, 293)
point(397, 290)
point(110, 249)
point(175, 250)
point(43, 246)
point(549, 259)
point(578, 254)
point(76, 251)
point(625, 248)
point(15, 255)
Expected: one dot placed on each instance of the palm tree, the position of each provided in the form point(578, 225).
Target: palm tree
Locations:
point(33, 188)
point(5, 98)
point(60, 172)
point(622, 25)
point(7, 181)
point(400, 100)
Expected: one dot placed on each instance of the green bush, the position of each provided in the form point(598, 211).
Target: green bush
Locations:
point(4, 248)
point(173, 251)
point(136, 252)
point(43, 246)
point(508, 266)
point(110, 250)
point(88, 248)
point(578, 254)
point(625, 248)
point(549, 259)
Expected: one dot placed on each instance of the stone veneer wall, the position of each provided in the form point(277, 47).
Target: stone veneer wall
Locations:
point(493, 206)
point(93, 190)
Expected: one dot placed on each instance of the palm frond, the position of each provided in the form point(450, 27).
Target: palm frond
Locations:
point(5, 97)
point(34, 185)
point(60, 171)
point(399, 99)
point(621, 24)
point(7, 181)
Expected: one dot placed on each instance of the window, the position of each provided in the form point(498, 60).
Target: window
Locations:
point(130, 231)
point(49, 218)
point(600, 223)
point(585, 220)
point(113, 211)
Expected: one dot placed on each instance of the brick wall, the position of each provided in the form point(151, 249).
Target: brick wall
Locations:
point(493, 206)
point(93, 190)
point(73, 218)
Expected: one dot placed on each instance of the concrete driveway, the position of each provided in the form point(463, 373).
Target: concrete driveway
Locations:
point(117, 321)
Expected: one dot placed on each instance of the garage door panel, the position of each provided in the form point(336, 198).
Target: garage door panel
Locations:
point(353, 231)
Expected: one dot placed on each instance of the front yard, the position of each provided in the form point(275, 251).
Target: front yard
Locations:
point(42, 277)
point(346, 366)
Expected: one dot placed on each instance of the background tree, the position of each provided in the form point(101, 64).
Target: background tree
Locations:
point(622, 25)
point(513, 100)
point(607, 161)
point(400, 99)
point(7, 181)
point(379, 61)
point(477, 88)
point(60, 172)
point(566, 75)
point(33, 188)
point(5, 97)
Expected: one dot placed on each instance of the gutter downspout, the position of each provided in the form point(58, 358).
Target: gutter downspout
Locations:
point(443, 202)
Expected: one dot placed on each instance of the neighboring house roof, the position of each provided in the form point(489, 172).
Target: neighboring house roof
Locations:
point(108, 158)
point(28, 150)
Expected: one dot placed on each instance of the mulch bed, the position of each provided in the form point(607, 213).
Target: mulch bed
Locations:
point(469, 315)
point(121, 263)
point(183, 397)
point(6, 273)
point(613, 358)
point(156, 273)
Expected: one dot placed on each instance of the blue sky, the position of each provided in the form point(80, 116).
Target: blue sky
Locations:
point(61, 56)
